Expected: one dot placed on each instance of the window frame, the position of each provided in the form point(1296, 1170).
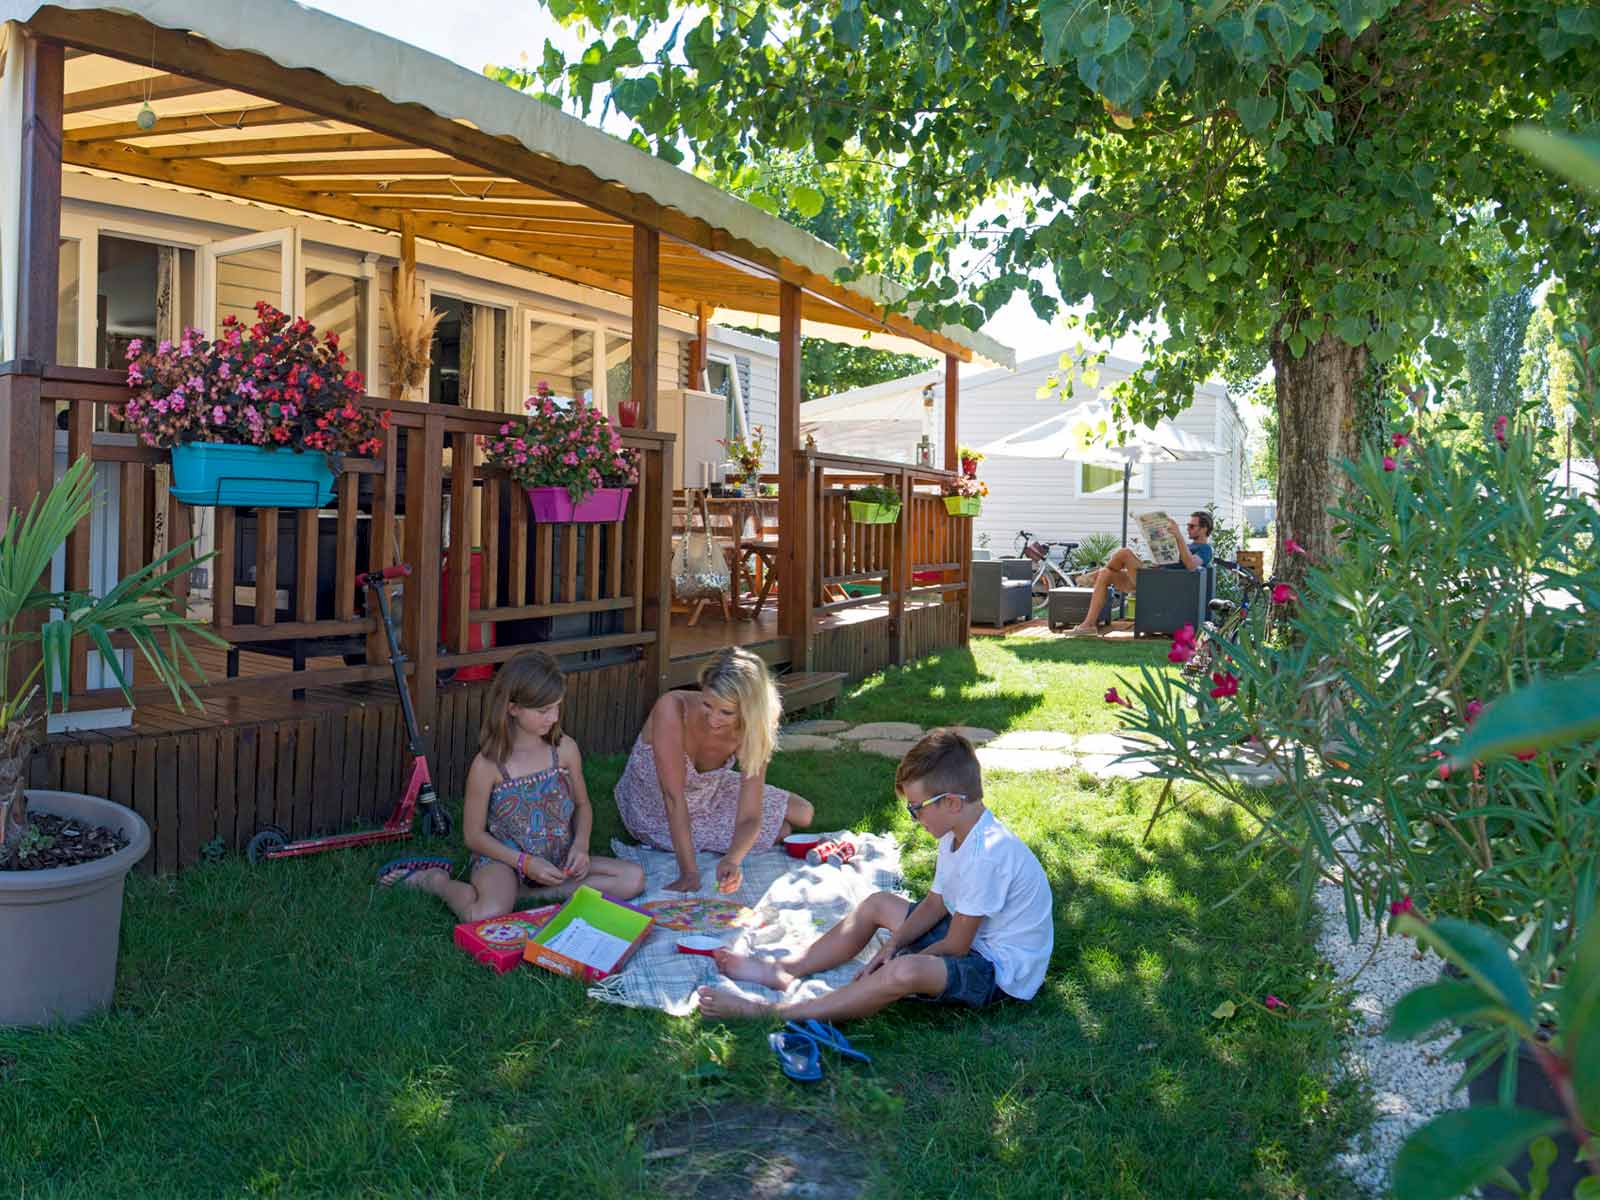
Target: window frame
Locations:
point(1138, 485)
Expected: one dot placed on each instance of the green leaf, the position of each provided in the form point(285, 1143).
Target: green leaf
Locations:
point(1588, 1188)
point(1453, 1001)
point(1576, 158)
point(1461, 1149)
point(1483, 954)
point(1118, 30)
point(1256, 112)
point(806, 200)
point(1125, 73)
point(1547, 712)
point(1305, 77)
point(1224, 1010)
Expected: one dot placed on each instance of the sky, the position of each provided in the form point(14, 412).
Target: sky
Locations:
point(476, 33)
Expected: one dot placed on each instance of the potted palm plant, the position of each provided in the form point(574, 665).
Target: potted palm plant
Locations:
point(64, 856)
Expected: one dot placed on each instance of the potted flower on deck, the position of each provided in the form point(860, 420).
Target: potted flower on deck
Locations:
point(969, 459)
point(874, 504)
point(568, 457)
point(747, 454)
point(64, 856)
point(256, 417)
point(963, 496)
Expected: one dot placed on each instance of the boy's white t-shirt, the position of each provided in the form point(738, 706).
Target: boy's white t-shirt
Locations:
point(995, 876)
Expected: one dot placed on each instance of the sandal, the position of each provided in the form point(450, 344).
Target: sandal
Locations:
point(798, 1055)
point(1075, 632)
point(827, 1035)
point(400, 869)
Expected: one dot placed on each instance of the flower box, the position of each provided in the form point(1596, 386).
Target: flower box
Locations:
point(220, 473)
point(963, 506)
point(863, 512)
point(553, 505)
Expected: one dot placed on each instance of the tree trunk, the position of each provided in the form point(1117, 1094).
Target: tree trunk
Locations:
point(15, 748)
point(1318, 395)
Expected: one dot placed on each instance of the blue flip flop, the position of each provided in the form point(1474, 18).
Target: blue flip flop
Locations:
point(399, 869)
point(827, 1035)
point(798, 1055)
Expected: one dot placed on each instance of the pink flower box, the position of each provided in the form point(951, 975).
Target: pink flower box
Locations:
point(552, 505)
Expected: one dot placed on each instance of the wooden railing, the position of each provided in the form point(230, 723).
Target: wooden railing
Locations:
point(387, 509)
point(925, 553)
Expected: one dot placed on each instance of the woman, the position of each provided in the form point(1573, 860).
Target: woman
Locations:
point(680, 792)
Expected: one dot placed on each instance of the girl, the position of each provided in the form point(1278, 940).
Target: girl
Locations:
point(527, 816)
point(679, 791)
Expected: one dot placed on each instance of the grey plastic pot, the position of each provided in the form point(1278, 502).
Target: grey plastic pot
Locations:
point(59, 927)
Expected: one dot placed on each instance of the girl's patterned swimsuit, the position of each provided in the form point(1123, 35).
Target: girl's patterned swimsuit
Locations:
point(532, 814)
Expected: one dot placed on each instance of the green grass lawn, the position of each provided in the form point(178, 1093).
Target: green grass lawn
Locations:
point(294, 1031)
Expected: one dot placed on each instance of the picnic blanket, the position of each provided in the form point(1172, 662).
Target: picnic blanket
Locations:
point(790, 904)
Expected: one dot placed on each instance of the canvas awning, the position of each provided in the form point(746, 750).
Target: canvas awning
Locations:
point(279, 105)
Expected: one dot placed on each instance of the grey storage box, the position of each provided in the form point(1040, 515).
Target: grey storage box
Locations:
point(1069, 604)
point(1169, 600)
point(1002, 591)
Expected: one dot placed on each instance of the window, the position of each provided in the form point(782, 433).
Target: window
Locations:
point(67, 304)
point(723, 380)
point(337, 303)
point(562, 356)
point(619, 368)
point(143, 290)
point(1105, 483)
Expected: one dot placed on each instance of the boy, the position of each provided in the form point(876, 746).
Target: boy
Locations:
point(984, 931)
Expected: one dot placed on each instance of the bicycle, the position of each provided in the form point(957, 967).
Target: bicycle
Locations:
point(1046, 572)
point(1225, 618)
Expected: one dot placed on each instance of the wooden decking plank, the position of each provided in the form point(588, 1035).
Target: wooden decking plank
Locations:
point(245, 779)
point(201, 805)
point(168, 751)
point(305, 764)
point(266, 780)
point(144, 795)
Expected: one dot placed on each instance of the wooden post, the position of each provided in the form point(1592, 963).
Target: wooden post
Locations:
point(697, 347)
point(27, 462)
point(655, 496)
point(796, 514)
point(408, 268)
point(898, 622)
point(952, 404)
point(424, 488)
point(646, 345)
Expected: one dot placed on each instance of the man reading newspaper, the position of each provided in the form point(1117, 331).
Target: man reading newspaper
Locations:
point(1168, 547)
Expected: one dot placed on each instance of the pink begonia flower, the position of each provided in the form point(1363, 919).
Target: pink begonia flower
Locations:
point(1474, 707)
point(1274, 1002)
point(1113, 698)
point(1400, 441)
point(1227, 685)
point(1283, 594)
point(1290, 546)
point(1388, 463)
point(1500, 424)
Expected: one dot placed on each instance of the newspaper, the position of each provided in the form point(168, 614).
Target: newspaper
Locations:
point(1156, 528)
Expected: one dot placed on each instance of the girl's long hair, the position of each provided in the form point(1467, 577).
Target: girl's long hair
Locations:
point(738, 677)
point(531, 680)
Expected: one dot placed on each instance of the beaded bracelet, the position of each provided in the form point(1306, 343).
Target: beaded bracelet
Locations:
point(522, 866)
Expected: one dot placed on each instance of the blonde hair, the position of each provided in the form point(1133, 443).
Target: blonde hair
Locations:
point(739, 678)
point(531, 680)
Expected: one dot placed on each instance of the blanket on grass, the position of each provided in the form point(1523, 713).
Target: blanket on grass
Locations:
point(790, 905)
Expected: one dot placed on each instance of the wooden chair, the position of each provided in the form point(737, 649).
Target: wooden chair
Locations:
point(757, 553)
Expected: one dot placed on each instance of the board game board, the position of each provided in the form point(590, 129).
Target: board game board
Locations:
point(499, 941)
point(701, 914)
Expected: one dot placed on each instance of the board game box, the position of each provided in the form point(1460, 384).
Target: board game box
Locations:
point(499, 941)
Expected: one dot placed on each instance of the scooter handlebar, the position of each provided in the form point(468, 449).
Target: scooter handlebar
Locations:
point(371, 578)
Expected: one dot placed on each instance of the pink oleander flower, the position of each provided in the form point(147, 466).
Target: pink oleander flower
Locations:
point(1283, 594)
point(1524, 755)
point(1402, 907)
point(1389, 464)
point(1112, 697)
point(1474, 707)
point(1182, 645)
point(1444, 766)
point(1290, 546)
point(1400, 441)
point(1227, 684)
point(1500, 424)
point(1273, 1002)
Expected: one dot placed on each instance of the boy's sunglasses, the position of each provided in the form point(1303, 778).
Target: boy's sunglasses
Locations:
point(916, 809)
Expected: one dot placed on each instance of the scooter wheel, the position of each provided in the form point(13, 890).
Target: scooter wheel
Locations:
point(435, 822)
point(264, 843)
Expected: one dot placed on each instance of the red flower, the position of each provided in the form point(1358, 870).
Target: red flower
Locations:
point(1474, 707)
point(1444, 767)
point(1388, 463)
point(1402, 906)
point(1400, 441)
point(1524, 755)
point(1113, 698)
point(1182, 645)
point(1290, 546)
point(1500, 424)
point(1274, 1002)
point(1227, 685)
point(1283, 594)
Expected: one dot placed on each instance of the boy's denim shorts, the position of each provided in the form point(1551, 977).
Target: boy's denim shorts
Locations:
point(969, 979)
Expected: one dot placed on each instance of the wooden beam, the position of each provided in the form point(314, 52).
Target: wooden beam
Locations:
point(117, 35)
point(442, 165)
point(795, 533)
point(207, 122)
point(39, 218)
point(476, 192)
point(952, 404)
point(136, 91)
point(697, 347)
point(258, 147)
point(645, 346)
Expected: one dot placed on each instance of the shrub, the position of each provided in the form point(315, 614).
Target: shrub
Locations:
point(568, 446)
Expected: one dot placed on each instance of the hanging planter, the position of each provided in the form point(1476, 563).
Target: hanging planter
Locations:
point(874, 504)
point(217, 473)
point(963, 506)
point(553, 505)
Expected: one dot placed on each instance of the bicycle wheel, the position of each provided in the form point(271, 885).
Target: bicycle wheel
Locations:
point(1041, 589)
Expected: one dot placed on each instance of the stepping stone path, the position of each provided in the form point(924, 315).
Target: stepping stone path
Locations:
point(1024, 750)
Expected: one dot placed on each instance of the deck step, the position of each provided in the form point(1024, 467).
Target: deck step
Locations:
point(807, 689)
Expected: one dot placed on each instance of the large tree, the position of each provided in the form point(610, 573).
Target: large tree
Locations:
point(1225, 175)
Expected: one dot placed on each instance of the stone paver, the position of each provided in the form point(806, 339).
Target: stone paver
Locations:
point(806, 741)
point(1106, 766)
point(821, 727)
point(976, 734)
point(887, 747)
point(1001, 758)
point(1107, 743)
point(898, 731)
point(1034, 739)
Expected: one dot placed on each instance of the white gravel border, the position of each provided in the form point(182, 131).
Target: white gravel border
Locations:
point(1410, 1082)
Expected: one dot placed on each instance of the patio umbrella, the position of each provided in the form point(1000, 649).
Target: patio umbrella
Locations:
point(1086, 433)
